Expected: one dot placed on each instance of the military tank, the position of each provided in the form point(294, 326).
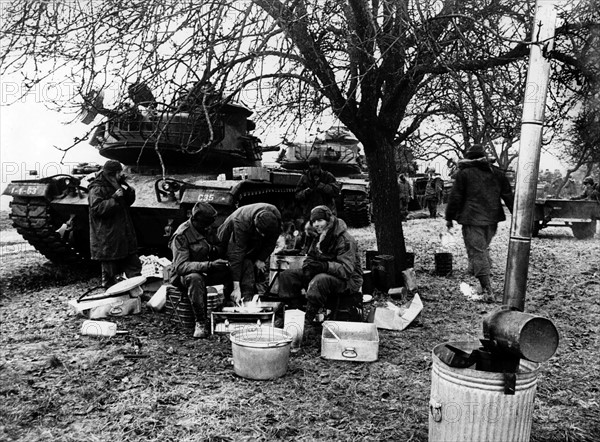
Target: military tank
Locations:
point(338, 150)
point(198, 148)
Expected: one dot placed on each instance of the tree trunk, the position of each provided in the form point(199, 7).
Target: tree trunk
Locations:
point(385, 197)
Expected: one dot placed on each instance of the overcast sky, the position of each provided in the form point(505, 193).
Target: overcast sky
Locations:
point(29, 130)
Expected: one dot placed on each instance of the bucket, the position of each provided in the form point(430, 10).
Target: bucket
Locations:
point(468, 404)
point(443, 263)
point(260, 353)
point(383, 272)
point(293, 323)
point(369, 255)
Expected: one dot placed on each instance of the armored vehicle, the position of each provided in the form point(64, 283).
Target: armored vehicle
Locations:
point(197, 149)
point(339, 153)
point(580, 215)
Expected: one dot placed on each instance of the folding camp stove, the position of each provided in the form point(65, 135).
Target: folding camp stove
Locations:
point(249, 314)
point(509, 336)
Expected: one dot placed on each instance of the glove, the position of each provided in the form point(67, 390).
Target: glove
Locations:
point(218, 265)
point(449, 224)
point(312, 267)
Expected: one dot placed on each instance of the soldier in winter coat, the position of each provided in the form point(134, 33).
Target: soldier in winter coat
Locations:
point(249, 235)
point(317, 187)
point(405, 190)
point(475, 202)
point(332, 266)
point(112, 235)
point(196, 262)
point(433, 192)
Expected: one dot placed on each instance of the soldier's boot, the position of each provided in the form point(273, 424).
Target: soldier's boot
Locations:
point(201, 330)
point(311, 328)
point(486, 288)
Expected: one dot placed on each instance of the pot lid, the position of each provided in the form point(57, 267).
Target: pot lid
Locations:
point(126, 285)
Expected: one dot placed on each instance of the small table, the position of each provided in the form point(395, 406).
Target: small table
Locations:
point(226, 322)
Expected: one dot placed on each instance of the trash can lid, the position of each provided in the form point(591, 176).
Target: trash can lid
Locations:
point(126, 285)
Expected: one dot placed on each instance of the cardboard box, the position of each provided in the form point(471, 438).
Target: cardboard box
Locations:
point(349, 341)
point(393, 317)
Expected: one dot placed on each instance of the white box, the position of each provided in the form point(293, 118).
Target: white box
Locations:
point(349, 341)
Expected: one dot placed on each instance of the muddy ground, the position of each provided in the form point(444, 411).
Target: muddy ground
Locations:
point(58, 385)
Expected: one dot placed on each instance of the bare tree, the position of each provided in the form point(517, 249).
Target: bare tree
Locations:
point(367, 61)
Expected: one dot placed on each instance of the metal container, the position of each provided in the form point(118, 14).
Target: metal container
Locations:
point(234, 318)
point(349, 341)
point(260, 353)
point(383, 272)
point(470, 405)
point(443, 263)
point(278, 264)
point(522, 334)
point(178, 308)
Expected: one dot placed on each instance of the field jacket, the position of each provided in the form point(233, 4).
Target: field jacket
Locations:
point(314, 194)
point(475, 198)
point(239, 237)
point(339, 249)
point(191, 251)
point(112, 235)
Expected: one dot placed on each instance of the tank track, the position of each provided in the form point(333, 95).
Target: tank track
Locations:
point(357, 210)
point(33, 221)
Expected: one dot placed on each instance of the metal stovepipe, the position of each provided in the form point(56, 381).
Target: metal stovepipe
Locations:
point(538, 74)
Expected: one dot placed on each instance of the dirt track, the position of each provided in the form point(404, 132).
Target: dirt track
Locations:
point(57, 385)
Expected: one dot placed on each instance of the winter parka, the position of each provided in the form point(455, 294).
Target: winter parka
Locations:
point(239, 237)
point(112, 235)
point(475, 198)
point(314, 193)
point(191, 251)
point(339, 249)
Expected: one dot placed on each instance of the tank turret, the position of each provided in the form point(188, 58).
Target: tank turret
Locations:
point(199, 148)
point(339, 152)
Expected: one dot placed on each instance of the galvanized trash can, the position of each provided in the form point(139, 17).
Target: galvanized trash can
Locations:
point(470, 405)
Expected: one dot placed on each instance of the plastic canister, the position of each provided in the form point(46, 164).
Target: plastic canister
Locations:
point(98, 328)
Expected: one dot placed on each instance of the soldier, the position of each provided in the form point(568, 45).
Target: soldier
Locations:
point(317, 187)
point(590, 192)
point(249, 235)
point(112, 235)
point(405, 191)
point(332, 267)
point(196, 262)
point(475, 202)
point(433, 192)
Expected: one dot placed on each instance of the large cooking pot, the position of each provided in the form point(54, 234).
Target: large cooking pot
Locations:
point(260, 353)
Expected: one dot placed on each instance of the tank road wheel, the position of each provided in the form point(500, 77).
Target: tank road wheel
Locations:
point(356, 210)
point(584, 230)
point(33, 220)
